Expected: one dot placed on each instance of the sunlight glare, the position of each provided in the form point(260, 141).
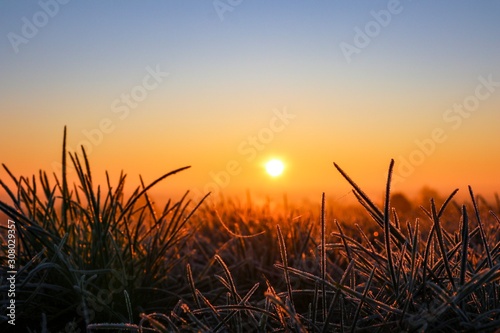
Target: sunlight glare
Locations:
point(275, 167)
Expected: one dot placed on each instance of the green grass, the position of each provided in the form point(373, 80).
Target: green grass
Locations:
point(92, 259)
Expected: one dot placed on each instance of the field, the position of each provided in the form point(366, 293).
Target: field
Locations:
point(91, 258)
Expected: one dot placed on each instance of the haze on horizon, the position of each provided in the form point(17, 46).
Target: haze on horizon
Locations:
point(226, 86)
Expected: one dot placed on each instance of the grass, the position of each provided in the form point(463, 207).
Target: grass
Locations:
point(91, 259)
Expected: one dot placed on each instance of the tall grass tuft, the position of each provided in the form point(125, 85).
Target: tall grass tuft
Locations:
point(89, 254)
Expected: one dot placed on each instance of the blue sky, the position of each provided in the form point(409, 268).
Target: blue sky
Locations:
point(226, 76)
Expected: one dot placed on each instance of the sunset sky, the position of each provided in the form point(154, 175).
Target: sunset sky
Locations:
point(226, 85)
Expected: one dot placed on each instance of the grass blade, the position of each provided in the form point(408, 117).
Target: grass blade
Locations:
point(481, 229)
point(444, 253)
point(465, 245)
point(323, 256)
point(284, 259)
point(387, 229)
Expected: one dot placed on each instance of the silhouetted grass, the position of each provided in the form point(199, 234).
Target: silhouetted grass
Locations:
point(91, 259)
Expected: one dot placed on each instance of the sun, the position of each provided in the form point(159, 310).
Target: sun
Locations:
point(275, 167)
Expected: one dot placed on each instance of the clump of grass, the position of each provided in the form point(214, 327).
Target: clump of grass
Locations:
point(87, 253)
point(92, 260)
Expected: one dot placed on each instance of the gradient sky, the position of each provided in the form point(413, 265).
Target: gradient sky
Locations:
point(361, 82)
